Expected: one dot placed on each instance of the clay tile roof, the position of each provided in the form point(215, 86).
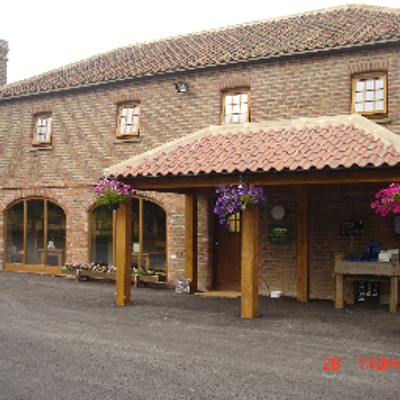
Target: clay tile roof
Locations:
point(339, 142)
point(332, 28)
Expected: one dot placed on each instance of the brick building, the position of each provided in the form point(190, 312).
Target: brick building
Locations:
point(324, 81)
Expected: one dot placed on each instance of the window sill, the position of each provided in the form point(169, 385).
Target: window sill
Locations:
point(38, 148)
point(135, 139)
point(385, 120)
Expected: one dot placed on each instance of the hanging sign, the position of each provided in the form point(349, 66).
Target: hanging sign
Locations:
point(279, 234)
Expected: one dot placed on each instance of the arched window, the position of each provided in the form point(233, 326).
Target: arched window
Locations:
point(35, 236)
point(148, 235)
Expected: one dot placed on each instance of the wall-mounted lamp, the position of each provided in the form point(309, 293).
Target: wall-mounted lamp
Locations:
point(397, 225)
point(181, 87)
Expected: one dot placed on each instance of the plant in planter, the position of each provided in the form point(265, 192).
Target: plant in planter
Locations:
point(231, 200)
point(110, 191)
point(387, 201)
point(94, 267)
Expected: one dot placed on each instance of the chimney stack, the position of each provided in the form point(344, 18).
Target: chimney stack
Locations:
point(3, 62)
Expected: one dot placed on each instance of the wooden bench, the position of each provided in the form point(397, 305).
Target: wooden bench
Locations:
point(367, 270)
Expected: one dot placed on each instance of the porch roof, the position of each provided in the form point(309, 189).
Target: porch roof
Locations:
point(305, 144)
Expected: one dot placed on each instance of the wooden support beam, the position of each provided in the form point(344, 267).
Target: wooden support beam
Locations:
point(303, 248)
point(191, 240)
point(346, 177)
point(394, 293)
point(124, 254)
point(339, 295)
point(249, 262)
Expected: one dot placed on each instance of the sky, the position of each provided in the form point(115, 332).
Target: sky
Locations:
point(48, 34)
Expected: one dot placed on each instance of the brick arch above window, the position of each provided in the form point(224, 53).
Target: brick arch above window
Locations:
point(231, 84)
point(367, 67)
point(127, 98)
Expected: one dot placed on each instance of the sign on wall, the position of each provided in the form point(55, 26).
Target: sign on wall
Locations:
point(278, 234)
point(351, 227)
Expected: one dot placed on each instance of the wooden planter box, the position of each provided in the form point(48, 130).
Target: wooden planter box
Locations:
point(79, 274)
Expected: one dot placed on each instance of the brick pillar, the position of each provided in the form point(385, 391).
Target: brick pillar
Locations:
point(3, 62)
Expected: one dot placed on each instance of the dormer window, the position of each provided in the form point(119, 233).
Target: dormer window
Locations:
point(128, 120)
point(370, 95)
point(42, 130)
point(236, 107)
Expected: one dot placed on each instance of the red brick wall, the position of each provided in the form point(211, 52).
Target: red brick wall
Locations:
point(84, 143)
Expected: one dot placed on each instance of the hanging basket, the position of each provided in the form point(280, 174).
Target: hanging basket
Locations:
point(113, 206)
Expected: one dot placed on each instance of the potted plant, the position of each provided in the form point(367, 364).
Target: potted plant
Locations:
point(109, 191)
point(387, 201)
point(231, 200)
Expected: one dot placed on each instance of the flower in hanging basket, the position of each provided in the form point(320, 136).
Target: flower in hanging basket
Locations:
point(231, 200)
point(387, 201)
point(111, 191)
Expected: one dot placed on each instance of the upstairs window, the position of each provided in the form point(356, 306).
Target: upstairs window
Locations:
point(236, 107)
point(128, 120)
point(42, 130)
point(370, 95)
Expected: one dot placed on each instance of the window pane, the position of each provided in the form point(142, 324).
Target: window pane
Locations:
point(244, 108)
point(236, 108)
point(227, 119)
point(15, 234)
point(235, 118)
point(124, 111)
point(101, 220)
point(369, 95)
point(359, 107)
point(243, 118)
point(360, 85)
point(135, 233)
point(369, 106)
point(379, 95)
point(154, 237)
point(236, 99)
point(359, 97)
point(228, 109)
point(35, 232)
point(370, 85)
point(228, 99)
point(379, 105)
point(55, 235)
point(245, 98)
point(379, 84)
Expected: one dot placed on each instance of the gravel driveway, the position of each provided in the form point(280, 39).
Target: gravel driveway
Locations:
point(60, 339)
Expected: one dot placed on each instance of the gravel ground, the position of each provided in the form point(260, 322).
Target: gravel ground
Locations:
point(60, 339)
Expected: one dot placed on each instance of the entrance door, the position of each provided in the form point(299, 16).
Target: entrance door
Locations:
point(227, 254)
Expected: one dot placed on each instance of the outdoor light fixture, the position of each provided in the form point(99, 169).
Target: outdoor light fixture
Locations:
point(397, 225)
point(181, 87)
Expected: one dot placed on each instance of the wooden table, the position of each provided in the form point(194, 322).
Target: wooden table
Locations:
point(367, 270)
point(52, 252)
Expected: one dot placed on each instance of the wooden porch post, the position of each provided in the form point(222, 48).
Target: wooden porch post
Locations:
point(124, 254)
point(303, 248)
point(191, 240)
point(249, 262)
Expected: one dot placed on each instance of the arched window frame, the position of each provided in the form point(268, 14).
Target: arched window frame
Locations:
point(142, 257)
point(43, 267)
